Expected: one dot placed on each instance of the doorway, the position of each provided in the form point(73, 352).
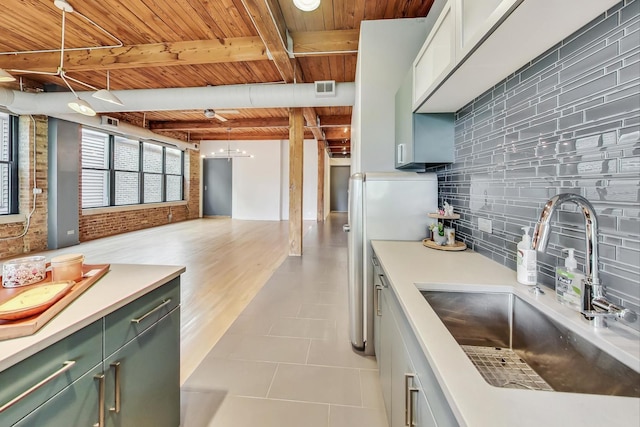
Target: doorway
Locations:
point(339, 188)
point(217, 185)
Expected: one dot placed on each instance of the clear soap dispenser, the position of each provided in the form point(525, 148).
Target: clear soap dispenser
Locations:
point(569, 282)
point(526, 260)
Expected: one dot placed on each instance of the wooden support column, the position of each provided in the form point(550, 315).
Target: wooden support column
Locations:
point(321, 172)
point(296, 157)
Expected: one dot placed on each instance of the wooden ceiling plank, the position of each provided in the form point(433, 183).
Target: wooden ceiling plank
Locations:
point(335, 121)
point(335, 41)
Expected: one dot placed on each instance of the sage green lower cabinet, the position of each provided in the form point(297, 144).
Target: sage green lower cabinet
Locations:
point(120, 371)
point(411, 394)
point(76, 405)
point(143, 378)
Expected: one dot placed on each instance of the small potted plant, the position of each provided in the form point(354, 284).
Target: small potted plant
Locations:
point(437, 232)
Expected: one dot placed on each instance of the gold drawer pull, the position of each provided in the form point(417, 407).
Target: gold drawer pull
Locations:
point(141, 318)
point(65, 367)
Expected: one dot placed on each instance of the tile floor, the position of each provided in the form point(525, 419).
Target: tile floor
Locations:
point(287, 359)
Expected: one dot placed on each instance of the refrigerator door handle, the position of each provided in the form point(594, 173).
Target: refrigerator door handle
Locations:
point(346, 228)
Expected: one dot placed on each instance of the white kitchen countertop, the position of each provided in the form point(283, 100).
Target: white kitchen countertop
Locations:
point(123, 284)
point(410, 267)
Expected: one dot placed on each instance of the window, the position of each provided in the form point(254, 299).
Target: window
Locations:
point(120, 171)
point(8, 164)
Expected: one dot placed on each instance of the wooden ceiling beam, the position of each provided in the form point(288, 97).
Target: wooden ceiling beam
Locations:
point(263, 135)
point(193, 52)
point(145, 55)
point(269, 21)
point(335, 121)
point(337, 133)
point(320, 42)
point(270, 122)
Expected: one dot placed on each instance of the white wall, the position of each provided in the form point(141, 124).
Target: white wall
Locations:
point(256, 181)
point(260, 188)
point(387, 50)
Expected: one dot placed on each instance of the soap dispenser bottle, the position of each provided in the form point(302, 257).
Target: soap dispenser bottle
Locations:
point(569, 282)
point(526, 260)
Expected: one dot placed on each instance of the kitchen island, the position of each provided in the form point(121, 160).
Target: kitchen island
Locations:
point(114, 347)
point(460, 395)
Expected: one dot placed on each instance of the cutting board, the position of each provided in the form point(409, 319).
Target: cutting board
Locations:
point(30, 325)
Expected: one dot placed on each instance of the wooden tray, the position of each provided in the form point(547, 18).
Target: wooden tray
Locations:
point(438, 216)
point(29, 325)
point(459, 246)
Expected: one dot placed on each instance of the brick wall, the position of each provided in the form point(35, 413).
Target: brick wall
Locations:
point(106, 224)
point(91, 226)
point(569, 121)
point(36, 237)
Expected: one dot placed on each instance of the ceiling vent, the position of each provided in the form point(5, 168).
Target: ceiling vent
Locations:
point(325, 88)
point(109, 121)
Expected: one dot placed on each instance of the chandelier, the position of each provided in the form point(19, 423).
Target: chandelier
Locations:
point(230, 153)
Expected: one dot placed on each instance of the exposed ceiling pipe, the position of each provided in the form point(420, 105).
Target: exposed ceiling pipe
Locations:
point(192, 98)
point(125, 129)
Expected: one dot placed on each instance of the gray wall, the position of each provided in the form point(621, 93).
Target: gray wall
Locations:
point(566, 122)
point(63, 176)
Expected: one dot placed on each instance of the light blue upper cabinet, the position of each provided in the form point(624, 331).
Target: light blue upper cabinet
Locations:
point(421, 140)
point(475, 44)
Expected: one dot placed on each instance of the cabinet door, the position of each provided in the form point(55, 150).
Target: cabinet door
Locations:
point(74, 406)
point(143, 378)
point(402, 379)
point(40, 377)
point(436, 58)
point(421, 415)
point(475, 20)
point(404, 122)
point(384, 352)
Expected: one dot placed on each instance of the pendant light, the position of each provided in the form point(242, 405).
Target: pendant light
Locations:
point(107, 95)
point(306, 5)
point(6, 77)
point(78, 105)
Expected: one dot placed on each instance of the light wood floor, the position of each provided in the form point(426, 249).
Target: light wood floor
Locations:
point(227, 262)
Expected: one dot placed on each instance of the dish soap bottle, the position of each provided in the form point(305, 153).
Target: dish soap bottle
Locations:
point(526, 269)
point(569, 282)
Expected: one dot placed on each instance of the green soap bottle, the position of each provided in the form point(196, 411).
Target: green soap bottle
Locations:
point(569, 282)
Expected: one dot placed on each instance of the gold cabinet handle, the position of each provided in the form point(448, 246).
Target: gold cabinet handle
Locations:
point(378, 308)
point(150, 312)
point(412, 391)
point(408, 381)
point(116, 404)
point(100, 378)
point(65, 367)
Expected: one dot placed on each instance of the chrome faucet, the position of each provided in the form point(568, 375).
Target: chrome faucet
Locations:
point(595, 306)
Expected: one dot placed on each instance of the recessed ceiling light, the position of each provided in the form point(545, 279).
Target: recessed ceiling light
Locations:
point(306, 5)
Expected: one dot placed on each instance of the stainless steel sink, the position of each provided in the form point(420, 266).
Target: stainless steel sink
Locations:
point(504, 336)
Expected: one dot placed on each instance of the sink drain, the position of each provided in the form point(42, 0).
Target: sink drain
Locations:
point(502, 367)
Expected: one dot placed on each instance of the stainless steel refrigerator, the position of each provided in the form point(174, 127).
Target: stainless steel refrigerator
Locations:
point(382, 206)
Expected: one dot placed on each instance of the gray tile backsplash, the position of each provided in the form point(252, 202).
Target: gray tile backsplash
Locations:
point(568, 121)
